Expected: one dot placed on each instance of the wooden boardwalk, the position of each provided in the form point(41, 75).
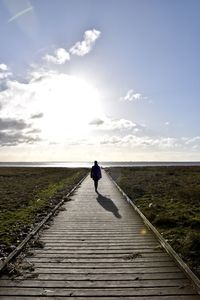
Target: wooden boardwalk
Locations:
point(99, 248)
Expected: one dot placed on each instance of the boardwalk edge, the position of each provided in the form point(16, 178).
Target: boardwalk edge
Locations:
point(188, 272)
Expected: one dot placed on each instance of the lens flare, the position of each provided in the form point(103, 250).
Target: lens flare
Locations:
point(143, 231)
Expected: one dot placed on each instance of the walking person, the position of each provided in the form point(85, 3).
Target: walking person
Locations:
point(95, 174)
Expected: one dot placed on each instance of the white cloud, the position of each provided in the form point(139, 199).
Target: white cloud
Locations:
point(192, 141)
point(37, 116)
point(84, 47)
point(123, 124)
point(60, 56)
point(4, 71)
point(3, 67)
point(96, 122)
point(15, 131)
point(109, 124)
point(132, 96)
point(147, 143)
point(120, 124)
point(58, 104)
point(54, 107)
point(110, 140)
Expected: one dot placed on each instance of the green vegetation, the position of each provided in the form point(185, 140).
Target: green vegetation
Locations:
point(27, 195)
point(170, 198)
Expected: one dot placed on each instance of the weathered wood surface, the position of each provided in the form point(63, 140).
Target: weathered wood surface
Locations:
point(179, 297)
point(99, 248)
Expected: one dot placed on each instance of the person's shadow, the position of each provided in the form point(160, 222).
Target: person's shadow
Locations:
point(108, 204)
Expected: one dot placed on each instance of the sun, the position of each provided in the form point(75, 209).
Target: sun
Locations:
point(68, 104)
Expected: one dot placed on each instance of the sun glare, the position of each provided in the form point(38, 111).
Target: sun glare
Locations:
point(70, 104)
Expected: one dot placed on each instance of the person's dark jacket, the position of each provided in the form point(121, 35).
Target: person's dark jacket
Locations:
point(95, 172)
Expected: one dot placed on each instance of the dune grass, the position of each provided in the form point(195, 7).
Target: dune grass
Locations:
point(27, 195)
point(170, 198)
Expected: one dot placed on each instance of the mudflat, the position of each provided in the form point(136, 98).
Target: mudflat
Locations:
point(170, 198)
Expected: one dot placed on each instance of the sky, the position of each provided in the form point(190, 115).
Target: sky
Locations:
point(109, 80)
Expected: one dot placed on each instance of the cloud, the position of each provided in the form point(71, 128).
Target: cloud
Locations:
point(110, 140)
point(147, 143)
point(4, 75)
point(131, 143)
point(84, 47)
point(15, 125)
point(14, 139)
point(53, 101)
point(3, 67)
point(80, 142)
point(13, 132)
point(122, 124)
point(37, 116)
point(36, 130)
point(132, 96)
point(110, 124)
point(96, 122)
point(4, 72)
point(194, 141)
point(60, 57)
point(10, 124)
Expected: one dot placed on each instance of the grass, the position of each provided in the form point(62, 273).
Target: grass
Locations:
point(170, 198)
point(27, 195)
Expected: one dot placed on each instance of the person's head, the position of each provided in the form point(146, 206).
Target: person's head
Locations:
point(95, 162)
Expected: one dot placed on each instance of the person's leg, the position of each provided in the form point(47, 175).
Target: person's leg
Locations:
point(96, 184)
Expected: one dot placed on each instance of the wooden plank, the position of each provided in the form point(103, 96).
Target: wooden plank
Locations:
point(105, 265)
point(95, 244)
point(105, 234)
point(92, 292)
point(114, 230)
point(97, 238)
point(181, 283)
point(64, 227)
point(142, 253)
point(136, 270)
point(97, 248)
point(179, 297)
point(100, 238)
point(83, 241)
point(98, 241)
point(114, 276)
point(100, 252)
point(136, 260)
point(90, 255)
point(118, 230)
point(104, 226)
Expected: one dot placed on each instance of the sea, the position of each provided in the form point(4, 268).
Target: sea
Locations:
point(103, 164)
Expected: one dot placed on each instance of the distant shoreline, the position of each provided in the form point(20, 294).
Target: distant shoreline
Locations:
point(102, 164)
